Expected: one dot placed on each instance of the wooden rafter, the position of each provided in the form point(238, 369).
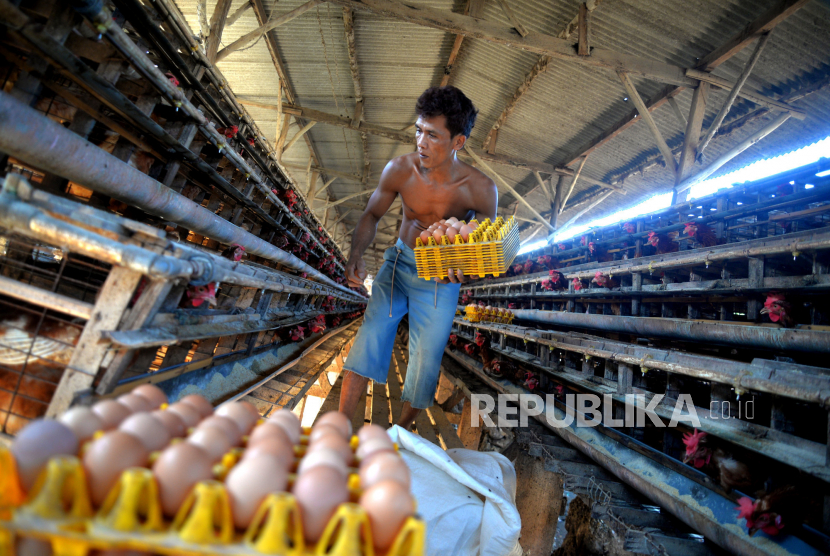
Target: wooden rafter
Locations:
point(273, 23)
point(238, 13)
point(511, 16)
point(348, 24)
point(345, 198)
point(733, 94)
point(763, 24)
point(573, 184)
point(299, 134)
point(694, 125)
point(583, 49)
point(217, 25)
point(473, 9)
point(646, 115)
point(326, 171)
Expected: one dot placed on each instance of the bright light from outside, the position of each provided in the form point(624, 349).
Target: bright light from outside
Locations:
point(754, 171)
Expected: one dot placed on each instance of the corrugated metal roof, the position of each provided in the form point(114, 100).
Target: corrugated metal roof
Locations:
point(566, 108)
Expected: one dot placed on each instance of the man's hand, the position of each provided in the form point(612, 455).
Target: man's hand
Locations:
point(355, 272)
point(454, 277)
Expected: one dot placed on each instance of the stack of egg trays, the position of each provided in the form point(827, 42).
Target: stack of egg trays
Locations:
point(59, 511)
point(490, 250)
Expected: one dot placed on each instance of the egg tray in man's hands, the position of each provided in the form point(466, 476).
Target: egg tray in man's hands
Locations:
point(489, 250)
point(58, 510)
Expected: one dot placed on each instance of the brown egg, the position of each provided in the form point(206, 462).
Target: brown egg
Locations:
point(451, 220)
point(153, 393)
point(199, 403)
point(458, 225)
point(107, 458)
point(83, 421)
point(333, 441)
point(229, 427)
point(474, 225)
point(136, 403)
point(465, 232)
point(384, 466)
point(337, 419)
point(289, 422)
point(425, 237)
point(323, 456)
point(111, 413)
point(147, 428)
point(177, 469)
point(187, 412)
point(388, 504)
point(438, 234)
point(239, 414)
point(250, 482)
point(366, 432)
point(212, 440)
point(451, 233)
point(443, 221)
point(318, 492)
point(365, 450)
point(172, 422)
point(322, 429)
point(268, 430)
point(279, 447)
point(36, 444)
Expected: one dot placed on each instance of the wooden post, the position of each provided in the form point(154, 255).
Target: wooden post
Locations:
point(283, 133)
point(646, 115)
point(517, 25)
point(538, 500)
point(756, 280)
point(573, 184)
point(90, 351)
point(691, 136)
point(636, 285)
point(557, 201)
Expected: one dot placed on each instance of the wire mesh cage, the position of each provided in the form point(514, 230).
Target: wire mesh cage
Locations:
point(37, 341)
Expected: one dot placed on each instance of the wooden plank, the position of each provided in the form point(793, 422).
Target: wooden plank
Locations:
point(646, 115)
point(449, 438)
point(468, 432)
point(299, 134)
point(217, 26)
point(89, 353)
point(564, 202)
point(394, 387)
point(332, 402)
point(538, 68)
point(538, 499)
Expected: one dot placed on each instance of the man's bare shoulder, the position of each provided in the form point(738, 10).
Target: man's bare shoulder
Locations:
point(477, 178)
point(402, 164)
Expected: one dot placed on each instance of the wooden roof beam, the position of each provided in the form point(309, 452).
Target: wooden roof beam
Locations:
point(348, 24)
point(326, 171)
point(238, 13)
point(763, 24)
point(517, 25)
point(269, 25)
point(473, 9)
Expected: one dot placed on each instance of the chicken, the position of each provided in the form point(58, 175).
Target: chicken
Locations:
point(529, 267)
point(318, 324)
point(702, 234)
point(577, 283)
point(663, 243)
point(604, 281)
point(234, 253)
point(19, 346)
point(471, 350)
point(629, 228)
point(297, 334)
point(466, 297)
point(516, 270)
point(776, 306)
point(453, 341)
point(546, 261)
point(197, 295)
point(772, 512)
point(229, 132)
point(555, 281)
point(598, 254)
point(531, 381)
point(716, 462)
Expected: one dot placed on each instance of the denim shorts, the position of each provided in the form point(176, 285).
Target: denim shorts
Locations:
point(396, 291)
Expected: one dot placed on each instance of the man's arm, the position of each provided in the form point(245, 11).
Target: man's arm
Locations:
point(367, 226)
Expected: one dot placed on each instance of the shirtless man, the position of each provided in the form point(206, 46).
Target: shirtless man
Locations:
point(433, 184)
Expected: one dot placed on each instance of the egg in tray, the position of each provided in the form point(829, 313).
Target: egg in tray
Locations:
point(135, 473)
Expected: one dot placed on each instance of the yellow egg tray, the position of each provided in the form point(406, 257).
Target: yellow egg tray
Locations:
point(59, 512)
point(490, 250)
point(479, 314)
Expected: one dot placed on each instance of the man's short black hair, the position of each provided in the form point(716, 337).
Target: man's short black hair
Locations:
point(450, 103)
